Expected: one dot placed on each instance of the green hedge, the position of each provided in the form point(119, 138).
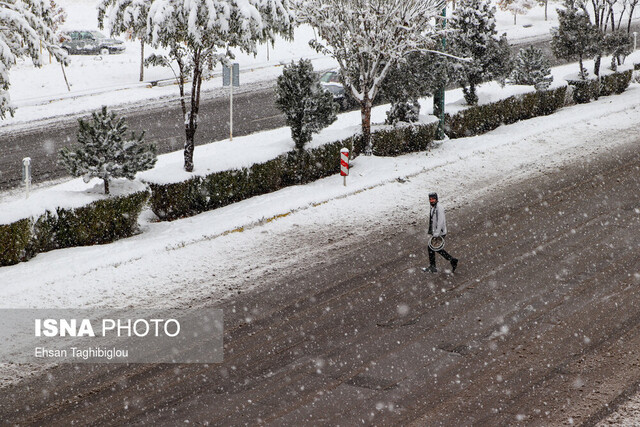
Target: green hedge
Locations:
point(586, 90)
point(14, 239)
point(403, 139)
point(615, 83)
point(200, 194)
point(102, 221)
point(484, 118)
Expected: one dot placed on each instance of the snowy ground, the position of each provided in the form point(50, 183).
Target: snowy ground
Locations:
point(208, 257)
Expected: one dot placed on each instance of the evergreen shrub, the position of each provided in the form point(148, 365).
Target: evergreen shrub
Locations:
point(584, 90)
point(484, 118)
point(403, 139)
point(102, 221)
point(615, 83)
point(14, 239)
point(199, 194)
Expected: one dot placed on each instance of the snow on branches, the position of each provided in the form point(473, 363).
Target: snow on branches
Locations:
point(367, 38)
point(516, 7)
point(105, 152)
point(25, 31)
point(198, 35)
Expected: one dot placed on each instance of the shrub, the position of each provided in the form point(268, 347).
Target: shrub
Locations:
point(403, 139)
point(532, 68)
point(105, 152)
point(14, 239)
point(404, 111)
point(102, 221)
point(584, 90)
point(484, 118)
point(307, 107)
point(615, 83)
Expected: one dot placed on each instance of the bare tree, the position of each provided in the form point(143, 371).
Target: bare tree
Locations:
point(367, 38)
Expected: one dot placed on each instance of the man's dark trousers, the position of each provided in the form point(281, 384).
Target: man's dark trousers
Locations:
point(432, 256)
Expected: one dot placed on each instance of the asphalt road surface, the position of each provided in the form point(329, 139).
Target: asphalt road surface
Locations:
point(253, 111)
point(540, 325)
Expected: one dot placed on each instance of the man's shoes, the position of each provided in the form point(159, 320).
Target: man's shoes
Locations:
point(454, 264)
point(430, 269)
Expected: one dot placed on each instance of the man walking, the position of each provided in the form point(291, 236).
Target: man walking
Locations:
point(438, 228)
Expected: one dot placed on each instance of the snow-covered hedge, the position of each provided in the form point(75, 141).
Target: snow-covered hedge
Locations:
point(615, 83)
point(202, 193)
point(586, 90)
point(14, 239)
point(407, 138)
point(484, 118)
point(101, 221)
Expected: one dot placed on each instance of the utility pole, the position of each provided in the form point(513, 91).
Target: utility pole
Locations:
point(438, 96)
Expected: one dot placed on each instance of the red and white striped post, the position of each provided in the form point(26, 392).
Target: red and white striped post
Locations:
point(344, 164)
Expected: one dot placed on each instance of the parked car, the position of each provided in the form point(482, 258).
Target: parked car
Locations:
point(331, 82)
point(90, 42)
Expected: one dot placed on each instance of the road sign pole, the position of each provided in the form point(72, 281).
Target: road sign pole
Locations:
point(231, 77)
point(231, 114)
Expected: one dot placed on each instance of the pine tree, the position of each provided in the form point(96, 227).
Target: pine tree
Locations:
point(411, 79)
point(474, 35)
point(307, 107)
point(532, 68)
point(617, 44)
point(105, 152)
point(576, 37)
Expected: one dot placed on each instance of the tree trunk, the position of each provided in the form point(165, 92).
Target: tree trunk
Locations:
point(546, 4)
point(582, 76)
point(438, 110)
point(470, 95)
point(64, 73)
point(189, 144)
point(141, 60)
point(106, 185)
point(613, 21)
point(191, 124)
point(515, 15)
point(596, 65)
point(365, 109)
